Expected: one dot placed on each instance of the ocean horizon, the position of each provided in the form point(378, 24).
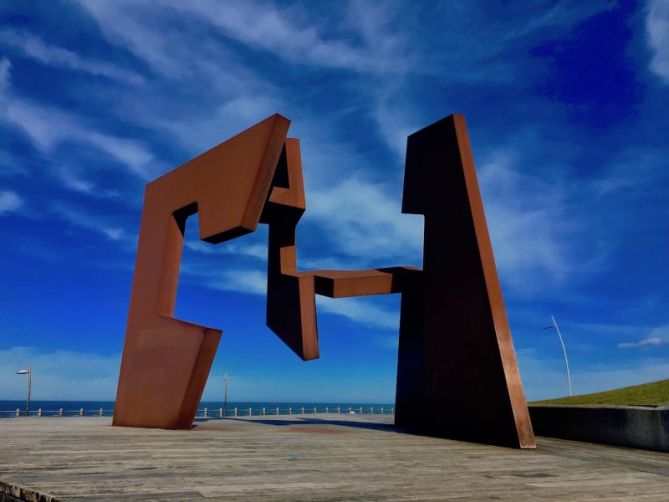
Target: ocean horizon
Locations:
point(52, 407)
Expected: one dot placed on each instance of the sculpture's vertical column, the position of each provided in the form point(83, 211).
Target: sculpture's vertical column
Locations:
point(291, 304)
point(457, 371)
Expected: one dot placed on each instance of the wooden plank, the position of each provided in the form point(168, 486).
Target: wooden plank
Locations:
point(310, 457)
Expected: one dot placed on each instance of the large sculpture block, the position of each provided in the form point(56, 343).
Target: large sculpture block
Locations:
point(457, 372)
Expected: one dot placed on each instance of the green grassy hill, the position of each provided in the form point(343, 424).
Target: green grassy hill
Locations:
point(653, 393)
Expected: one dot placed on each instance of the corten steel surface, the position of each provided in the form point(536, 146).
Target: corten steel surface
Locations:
point(457, 371)
point(166, 361)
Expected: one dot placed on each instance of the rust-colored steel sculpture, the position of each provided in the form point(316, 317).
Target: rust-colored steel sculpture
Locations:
point(457, 371)
point(166, 361)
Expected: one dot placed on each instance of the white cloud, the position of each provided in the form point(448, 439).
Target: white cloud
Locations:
point(361, 311)
point(121, 24)
point(10, 202)
point(59, 374)
point(231, 95)
point(656, 337)
point(33, 47)
point(171, 52)
point(559, 14)
point(364, 222)
point(258, 251)
point(361, 220)
point(527, 224)
point(652, 341)
point(657, 31)
point(394, 119)
point(87, 221)
point(252, 281)
point(73, 179)
point(277, 31)
point(49, 127)
point(130, 152)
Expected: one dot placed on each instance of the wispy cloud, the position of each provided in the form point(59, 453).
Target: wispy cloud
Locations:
point(49, 127)
point(86, 220)
point(394, 117)
point(657, 31)
point(121, 25)
point(559, 14)
point(258, 251)
point(362, 311)
point(652, 341)
point(185, 54)
point(168, 52)
point(278, 32)
point(73, 178)
point(59, 374)
point(368, 46)
point(244, 280)
point(10, 202)
point(527, 223)
point(34, 47)
point(656, 337)
point(360, 218)
point(357, 217)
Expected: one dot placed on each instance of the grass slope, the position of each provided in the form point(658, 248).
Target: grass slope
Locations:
point(653, 393)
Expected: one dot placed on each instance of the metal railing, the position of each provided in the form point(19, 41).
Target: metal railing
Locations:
point(60, 412)
point(300, 410)
point(206, 412)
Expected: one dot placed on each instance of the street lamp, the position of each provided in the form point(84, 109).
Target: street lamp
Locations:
point(28, 372)
point(564, 349)
point(225, 402)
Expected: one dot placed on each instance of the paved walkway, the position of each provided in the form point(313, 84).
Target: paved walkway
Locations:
point(326, 457)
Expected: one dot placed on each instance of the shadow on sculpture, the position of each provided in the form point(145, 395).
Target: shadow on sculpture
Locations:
point(457, 372)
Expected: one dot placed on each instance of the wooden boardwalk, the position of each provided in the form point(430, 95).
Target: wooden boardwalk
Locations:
point(321, 457)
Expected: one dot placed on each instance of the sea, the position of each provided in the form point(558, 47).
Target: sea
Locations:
point(206, 409)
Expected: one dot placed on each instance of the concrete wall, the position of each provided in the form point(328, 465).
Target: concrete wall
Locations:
point(632, 426)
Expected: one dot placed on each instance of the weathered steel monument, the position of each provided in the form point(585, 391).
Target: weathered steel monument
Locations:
point(457, 372)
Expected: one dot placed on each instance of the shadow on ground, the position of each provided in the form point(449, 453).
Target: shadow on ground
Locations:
point(312, 421)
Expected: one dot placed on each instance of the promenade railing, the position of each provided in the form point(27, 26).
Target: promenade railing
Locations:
point(212, 413)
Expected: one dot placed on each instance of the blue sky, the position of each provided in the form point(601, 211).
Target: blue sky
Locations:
point(566, 103)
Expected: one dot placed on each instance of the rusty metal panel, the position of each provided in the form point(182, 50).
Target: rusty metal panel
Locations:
point(166, 361)
point(457, 370)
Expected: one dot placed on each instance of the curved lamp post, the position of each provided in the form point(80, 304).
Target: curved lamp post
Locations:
point(28, 372)
point(564, 350)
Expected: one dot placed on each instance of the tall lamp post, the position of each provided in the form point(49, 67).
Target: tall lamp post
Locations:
point(225, 398)
point(564, 349)
point(28, 372)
